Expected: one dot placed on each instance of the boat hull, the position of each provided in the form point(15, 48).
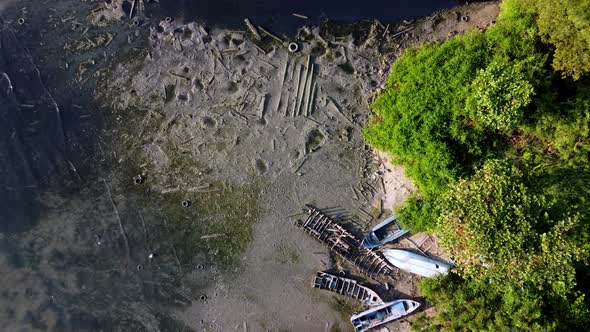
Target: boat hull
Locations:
point(383, 314)
point(417, 264)
point(375, 238)
point(347, 287)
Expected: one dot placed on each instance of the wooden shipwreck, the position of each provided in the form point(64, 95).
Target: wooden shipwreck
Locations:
point(344, 244)
point(347, 287)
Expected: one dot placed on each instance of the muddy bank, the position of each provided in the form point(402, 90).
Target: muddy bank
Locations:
point(213, 141)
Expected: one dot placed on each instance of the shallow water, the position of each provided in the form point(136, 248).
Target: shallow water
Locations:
point(278, 15)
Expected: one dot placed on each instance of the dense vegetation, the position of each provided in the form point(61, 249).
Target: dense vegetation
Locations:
point(494, 129)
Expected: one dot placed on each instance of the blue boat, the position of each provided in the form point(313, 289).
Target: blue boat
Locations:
point(382, 314)
point(385, 232)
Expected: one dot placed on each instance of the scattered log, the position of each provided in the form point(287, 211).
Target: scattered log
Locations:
point(262, 102)
point(132, 8)
point(212, 236)
point(259, 49)
point(304, 83)
point(308, 88)
point(297, 83)
point(300, 16)
point(284, 76)
point(268, 33)
point(402, 32)
point(312, 120)
point(252, 29)
point(339, 111)
point(311, 100)
point(301, 164)
point(356, 195)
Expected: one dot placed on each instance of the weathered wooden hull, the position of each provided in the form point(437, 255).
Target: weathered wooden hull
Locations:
point(344, 244)
point(347, 287)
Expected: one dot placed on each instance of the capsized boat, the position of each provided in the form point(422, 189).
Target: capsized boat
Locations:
point(414, 263)
point(382, 314)
point(384, 232)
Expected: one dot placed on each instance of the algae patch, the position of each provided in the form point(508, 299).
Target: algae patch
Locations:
point(345, 307)
point(217, 223)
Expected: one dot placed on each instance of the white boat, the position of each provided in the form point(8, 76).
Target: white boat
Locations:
point(382, 314)
point(414, 263)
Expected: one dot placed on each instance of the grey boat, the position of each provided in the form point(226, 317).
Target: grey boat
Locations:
point(347, 287)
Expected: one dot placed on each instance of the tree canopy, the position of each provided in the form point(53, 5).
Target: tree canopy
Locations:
point(565, 24)
point(494, 128)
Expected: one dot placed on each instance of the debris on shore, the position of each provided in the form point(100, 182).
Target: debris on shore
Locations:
point(369, 262)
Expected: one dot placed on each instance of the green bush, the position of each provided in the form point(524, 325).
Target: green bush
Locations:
point(421, 213)
point(498, 145)
point(501, 231)
point(444, 102)
point(499, 95)
point(564, 127)
point(565, 24)
point(517, 252)
point(421, 117)
point(471, 306)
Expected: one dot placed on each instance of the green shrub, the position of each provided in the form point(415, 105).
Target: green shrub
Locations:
point(421, 213)
point(501, 231)
point(565, 24)
point(499, 95)
point(564, 127)
point(517, 250)
point(499, 148)
point(421, 117)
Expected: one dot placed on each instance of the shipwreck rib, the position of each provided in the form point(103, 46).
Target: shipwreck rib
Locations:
point(344, 244)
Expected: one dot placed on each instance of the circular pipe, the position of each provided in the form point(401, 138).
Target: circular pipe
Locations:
point(21, 21)
point(293, 47)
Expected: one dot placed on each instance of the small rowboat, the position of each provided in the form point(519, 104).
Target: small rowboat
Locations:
point(384, 232)
point(382, 314)
point(347, 287)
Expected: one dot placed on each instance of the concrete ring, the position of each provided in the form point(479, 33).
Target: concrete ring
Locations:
point(293, 47)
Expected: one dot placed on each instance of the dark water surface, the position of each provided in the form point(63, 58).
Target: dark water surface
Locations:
point(278, 15)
